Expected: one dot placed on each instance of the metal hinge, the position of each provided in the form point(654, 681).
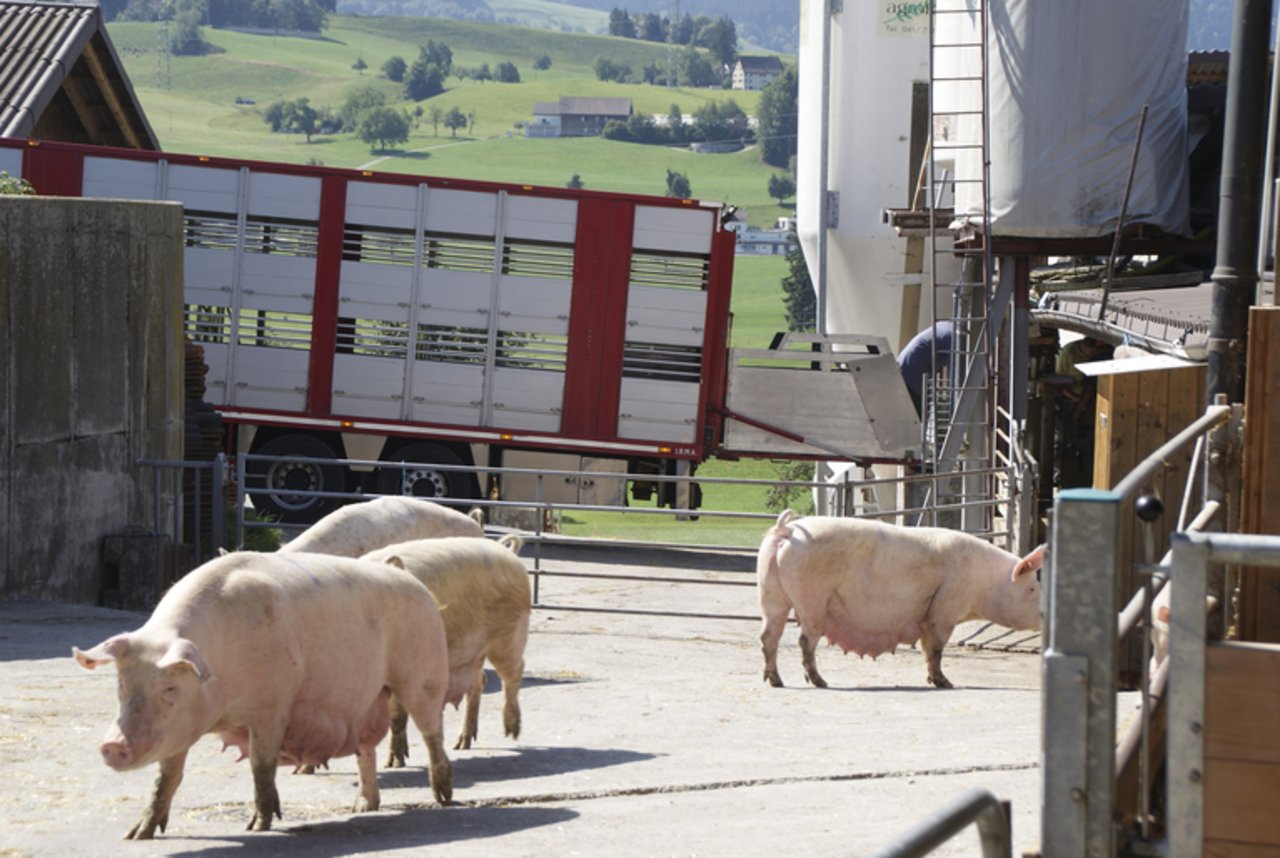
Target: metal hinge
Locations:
point(833, 209)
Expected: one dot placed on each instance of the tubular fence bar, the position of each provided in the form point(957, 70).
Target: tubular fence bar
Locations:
point(976, 806)
point(178, 532)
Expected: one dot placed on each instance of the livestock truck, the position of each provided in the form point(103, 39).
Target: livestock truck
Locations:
point(354, 315)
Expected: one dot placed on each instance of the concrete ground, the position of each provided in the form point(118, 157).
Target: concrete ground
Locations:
point(643, 735)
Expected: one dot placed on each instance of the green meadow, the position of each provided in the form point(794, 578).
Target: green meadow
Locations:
point(198, 105)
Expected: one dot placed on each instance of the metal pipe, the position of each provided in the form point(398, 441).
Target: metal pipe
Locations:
point(1268, 173)
point(1124, 210)
point(824, 171)
point(976, 806)
point(1235, 276)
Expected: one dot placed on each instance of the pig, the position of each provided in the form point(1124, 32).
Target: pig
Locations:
point(868, 586)
point(290, 658)
point(359, 528)
point(483, 592)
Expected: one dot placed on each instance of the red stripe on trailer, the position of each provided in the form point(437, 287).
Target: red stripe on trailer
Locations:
point(597, 318)
point(53, 173)
point(715, 357)
point(324, 320)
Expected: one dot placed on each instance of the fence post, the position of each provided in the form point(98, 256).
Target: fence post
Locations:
point(1078, 689)
point(218, 505)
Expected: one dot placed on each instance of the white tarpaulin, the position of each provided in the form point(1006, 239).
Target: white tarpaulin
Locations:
point(1067, 84)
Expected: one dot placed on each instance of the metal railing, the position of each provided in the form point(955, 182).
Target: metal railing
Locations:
point(1084, 626)
point(978, 807)
point(196, 512)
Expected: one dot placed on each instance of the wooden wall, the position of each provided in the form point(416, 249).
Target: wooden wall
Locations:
point(1260, 489)
point(1138, 410)
point(1242, 750)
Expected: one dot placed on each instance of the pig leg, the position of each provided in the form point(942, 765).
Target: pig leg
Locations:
point(367, 766)
point(775, 608)
point(511, 677)
point(933, 637)
point(399, 749)
point(157, 814)
point(427, 711)
point(808, 645)
point(264, 757)
point(471, 716)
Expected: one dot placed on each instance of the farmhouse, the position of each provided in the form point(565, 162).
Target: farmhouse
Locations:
point(576, 117)
point(756, 72)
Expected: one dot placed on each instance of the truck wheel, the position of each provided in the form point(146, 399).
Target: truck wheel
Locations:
point(270, 482)
point(423, 481)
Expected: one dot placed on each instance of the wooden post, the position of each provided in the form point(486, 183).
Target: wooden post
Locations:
point(1260, 492)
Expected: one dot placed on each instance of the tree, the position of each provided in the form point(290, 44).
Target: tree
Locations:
point(394, 69)
point(293, 117)
point(607, 69)
point(620, 24)
point(652, 27)
point(721, 122)
point(384, 127)
point(781, 187)
point(575, 182)
point(797, 288)
point(542, 63)
point(507, 73)
point(184, 33)
point(696, 69)
point(776, 123)
point(360, 65)
point(721, 39)
point(683, 31)
point(455, 119)
point(360, 101)
point(678, 185)
point(437, 54)
point(423, 81)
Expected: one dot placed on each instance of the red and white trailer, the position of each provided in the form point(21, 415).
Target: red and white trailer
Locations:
point(349, 314)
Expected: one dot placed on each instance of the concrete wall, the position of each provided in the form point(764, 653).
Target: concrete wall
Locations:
point(90, 382)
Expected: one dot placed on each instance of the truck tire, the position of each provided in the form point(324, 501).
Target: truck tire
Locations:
point(269, 482)
point(423, 481)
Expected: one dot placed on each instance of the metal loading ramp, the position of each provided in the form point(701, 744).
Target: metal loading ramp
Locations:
point(836, 396)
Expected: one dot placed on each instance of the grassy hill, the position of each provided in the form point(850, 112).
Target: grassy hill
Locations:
point(198, 112)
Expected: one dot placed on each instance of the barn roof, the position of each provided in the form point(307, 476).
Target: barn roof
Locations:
point(60, 78)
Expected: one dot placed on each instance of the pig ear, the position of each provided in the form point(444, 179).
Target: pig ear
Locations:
point(1162, 613)
point(183, 653)
point(394, 560)
point(1028, 564)
point(104, 653)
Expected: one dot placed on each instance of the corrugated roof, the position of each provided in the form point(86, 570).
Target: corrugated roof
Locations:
point(60, 78)
point(596, 106)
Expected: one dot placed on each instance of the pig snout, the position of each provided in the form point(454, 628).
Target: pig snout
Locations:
point(116, 754)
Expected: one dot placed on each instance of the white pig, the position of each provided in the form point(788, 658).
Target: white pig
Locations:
point(358, 528)
point(483, 592)
point(290, 658)
point(868, 586)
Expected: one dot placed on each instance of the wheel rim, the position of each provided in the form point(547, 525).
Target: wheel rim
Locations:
point(283, 477)
point(425, 483)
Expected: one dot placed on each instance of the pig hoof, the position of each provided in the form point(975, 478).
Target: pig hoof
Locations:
point(364, 805)
point(395, 761)
point(772, 677)
point(940, 681)
point(463, 743)
point(304, 770)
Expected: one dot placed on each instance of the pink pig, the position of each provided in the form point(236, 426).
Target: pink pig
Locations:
point(868, 586)
point(290, 658)
point(483, 591)
point(358, 528)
